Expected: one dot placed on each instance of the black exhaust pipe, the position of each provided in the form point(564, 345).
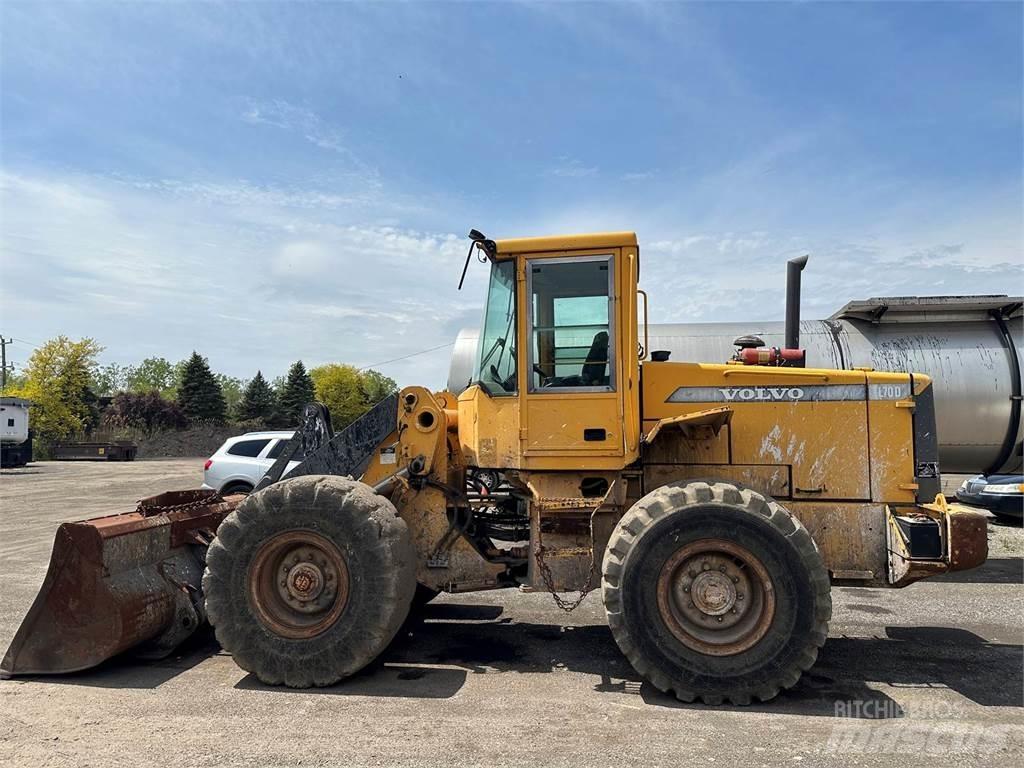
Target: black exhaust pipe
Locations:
point(793, 269)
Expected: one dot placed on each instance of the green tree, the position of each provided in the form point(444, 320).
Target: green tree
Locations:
point(348, 392)
point(57, 381)
point(153, 373)
point(293, 396)
point(200, 395)
point(339, 387)
point(233, 389)
point(377, 386)
point(258, 401)
point(15, 381)
point(110, 379)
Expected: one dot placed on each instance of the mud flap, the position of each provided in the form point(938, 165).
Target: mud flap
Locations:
point(962, 533)
point(124, 581)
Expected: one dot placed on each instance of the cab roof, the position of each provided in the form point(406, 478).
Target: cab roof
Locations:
point(565, 242)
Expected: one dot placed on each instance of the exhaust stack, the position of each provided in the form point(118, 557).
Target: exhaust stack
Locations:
point(793, 269)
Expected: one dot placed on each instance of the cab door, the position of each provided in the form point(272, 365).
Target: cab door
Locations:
point(573, 401)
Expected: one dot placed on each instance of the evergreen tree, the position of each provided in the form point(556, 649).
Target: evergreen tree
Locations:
point(200, 395)
point(296, 393)
point(258, 401)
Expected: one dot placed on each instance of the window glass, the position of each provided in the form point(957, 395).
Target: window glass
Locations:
point(571, 329)
point(279, 446)
point(250, 448)
point(496, 370)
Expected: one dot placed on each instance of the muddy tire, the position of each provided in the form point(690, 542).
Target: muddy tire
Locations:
point(309, 580)
point(715, 592)
point(423, 596)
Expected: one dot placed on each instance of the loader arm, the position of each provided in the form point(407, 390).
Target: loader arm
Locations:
point(325, 453)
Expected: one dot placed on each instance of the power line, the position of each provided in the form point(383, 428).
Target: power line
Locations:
point(23, 341)
point(406, 357)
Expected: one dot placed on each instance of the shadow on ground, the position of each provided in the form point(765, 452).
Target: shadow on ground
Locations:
point(1006, 570)
point(433, 658)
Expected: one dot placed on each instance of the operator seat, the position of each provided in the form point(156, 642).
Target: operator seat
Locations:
point(596, 364)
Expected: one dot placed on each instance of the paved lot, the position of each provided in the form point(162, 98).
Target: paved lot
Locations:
point(926, 673)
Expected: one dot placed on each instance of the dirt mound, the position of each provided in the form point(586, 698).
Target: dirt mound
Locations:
point(195, 441)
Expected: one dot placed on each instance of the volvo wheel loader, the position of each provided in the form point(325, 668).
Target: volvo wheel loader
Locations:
point(712, 504)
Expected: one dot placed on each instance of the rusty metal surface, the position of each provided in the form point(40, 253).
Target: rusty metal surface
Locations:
point(123, 581)
point(299, 584)
point(716, 597)
point(968, 538)
point(966, 543)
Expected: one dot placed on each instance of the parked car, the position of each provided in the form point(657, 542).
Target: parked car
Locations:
point(1002, 495)
point(239, 464)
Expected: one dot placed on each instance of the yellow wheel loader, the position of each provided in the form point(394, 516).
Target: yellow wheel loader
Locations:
point(713, 505)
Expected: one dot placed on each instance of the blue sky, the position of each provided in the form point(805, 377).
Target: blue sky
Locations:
point(265, 182)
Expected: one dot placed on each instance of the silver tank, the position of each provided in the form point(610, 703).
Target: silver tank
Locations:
point(969, 345)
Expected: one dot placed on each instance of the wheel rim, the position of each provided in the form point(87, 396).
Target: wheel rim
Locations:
point(299, 584)
point(716, 597)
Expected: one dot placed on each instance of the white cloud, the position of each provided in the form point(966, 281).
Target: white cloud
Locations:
point(741, 275)
point(569, 168)
point(148, 271)
point(306, 122)
point(258, 276)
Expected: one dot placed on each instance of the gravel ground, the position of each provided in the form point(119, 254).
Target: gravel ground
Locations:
point(912, 676)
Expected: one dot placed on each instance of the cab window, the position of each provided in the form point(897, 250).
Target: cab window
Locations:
point(496, 369)
point(571, 334)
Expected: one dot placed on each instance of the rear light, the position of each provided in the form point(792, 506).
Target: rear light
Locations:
point(208, 464)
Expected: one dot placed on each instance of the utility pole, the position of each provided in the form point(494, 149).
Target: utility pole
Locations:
point(3, 362)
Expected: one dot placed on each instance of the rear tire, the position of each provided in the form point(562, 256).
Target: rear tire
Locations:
point(309, 580)
point(236, 488)
point(715, 592)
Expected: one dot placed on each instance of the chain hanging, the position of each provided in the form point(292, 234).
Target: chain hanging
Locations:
point(545, 570)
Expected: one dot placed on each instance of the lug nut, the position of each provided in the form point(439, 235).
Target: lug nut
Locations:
point(705, 566)
point(735, 579)
point(721, 568)
point(719, 618)
point(739, 596)
point(686, 589)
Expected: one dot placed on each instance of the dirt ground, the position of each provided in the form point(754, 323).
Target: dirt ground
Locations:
point(932, 672)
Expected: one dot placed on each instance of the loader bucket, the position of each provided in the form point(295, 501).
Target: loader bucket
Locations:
point(124, 581)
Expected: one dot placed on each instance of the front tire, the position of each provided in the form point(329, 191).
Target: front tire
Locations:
point(309, 580)
point(715, 592)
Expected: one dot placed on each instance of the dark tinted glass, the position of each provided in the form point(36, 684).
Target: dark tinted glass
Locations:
point(250, 448)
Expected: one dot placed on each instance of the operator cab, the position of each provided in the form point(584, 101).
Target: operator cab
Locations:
point(559, 339)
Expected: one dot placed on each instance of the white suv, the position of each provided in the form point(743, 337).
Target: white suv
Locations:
point(239, 464)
